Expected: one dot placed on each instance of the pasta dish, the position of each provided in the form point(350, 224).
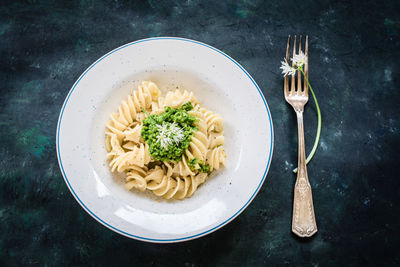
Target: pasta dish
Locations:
point(167, 145)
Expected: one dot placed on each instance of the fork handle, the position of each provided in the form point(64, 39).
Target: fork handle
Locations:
point(303, 221)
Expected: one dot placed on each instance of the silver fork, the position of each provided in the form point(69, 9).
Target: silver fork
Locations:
point(303, 221)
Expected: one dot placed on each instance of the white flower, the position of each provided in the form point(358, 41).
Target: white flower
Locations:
point(176, 132)
point(299, 59)
point(286, 69)
point(169, 133)
point(163, 136)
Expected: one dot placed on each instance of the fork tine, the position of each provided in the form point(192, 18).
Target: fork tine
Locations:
point(298, 72)
point(293, 85)
point(306, 67)
point(286, 79)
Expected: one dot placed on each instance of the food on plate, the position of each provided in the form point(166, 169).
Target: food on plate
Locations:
point(168, 145)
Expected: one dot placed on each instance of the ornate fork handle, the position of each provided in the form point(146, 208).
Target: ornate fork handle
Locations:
point(303, 221)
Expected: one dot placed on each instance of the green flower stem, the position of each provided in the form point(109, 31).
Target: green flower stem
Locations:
point(310, 156)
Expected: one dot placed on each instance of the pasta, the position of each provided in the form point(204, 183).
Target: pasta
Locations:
point(166, 145)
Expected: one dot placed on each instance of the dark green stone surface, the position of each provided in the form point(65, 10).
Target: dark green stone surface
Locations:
point(354, 55)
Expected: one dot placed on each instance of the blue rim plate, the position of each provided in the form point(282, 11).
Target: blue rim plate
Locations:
point(221, 82)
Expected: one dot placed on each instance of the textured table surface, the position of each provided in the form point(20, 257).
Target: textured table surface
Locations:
point(354, 54)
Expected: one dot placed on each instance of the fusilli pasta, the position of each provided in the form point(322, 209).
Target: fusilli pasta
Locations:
point(128, 152)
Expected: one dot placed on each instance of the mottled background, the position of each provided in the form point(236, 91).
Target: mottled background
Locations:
point(354, 54)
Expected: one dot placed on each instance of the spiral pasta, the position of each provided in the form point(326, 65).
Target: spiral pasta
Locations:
point(216, 139)
point(178, 187)
point(216, 158)
point(142, 98)
point(128, 151)
point(182, 168)
point(135, 178)
point(201, 123)
point(198, 147)
point(214, 121)
point(177, 98)
point(137, 155)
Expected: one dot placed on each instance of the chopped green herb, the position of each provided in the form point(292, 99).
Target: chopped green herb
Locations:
point(204, 167)
point(169, 134)
point(193, 163)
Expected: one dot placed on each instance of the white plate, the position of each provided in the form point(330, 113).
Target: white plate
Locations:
point(219, 83)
